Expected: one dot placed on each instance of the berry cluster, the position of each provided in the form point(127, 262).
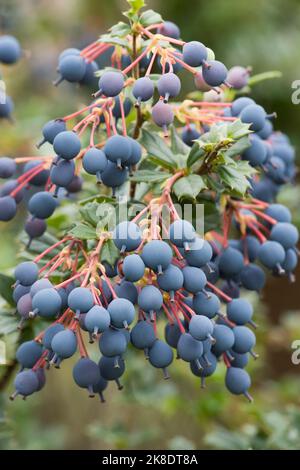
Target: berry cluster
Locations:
point(162, 271)
point(10, 53)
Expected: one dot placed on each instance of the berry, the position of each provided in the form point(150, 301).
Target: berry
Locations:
point(194, 53)
point(244, 339)
point(127, 236)
point(239, 311)
point(150, 299)
point(8, 208)
point(208, 305)
point(181, 233)
point(89, 78)
point(69, 51)
point(208, 367)
point(142, 335)
point(239, 104)
point(39, 179)
point(10, 50)
point(6, 108)
point(111, 83)
point(238, 77)
point(127, 290)
point(35, 228)
point(24, 306)
point(172, 334)
point(188, 348)
point(133, 268)
point(162, 114)
point(143, 89)
point(256, 154)
point(27, 273)
point(40, 285)
point(51, 129)
point(200, 83)
point(7, 167)
point(62, 174)
point(67, 145)
point(19, 291)
point(271, 254)
point(49, 334)
point(194, 279)
point(224, 339)
point(64, 345)
point(121, 312)
point(28, 354)
point(112, 343)
point(26, 383)
point(108, 369)
point(169, 29)
point(157, 255)
point(254, 115)
point(117, 108)
point(253, 277)
point(238, 381)
point(231, 262)
point(86, 374)
point(94, 162)
point(46, 303)
point(80, 300)
point(239, 360)
point(279, 213)
point(199, 254)
point(97, 320)
point(214, 73)
point(42, 205)
point(71, 68)
point(118, 149)
point(168, 86)
point(112, 176)
point(201, 327)
point(286, 234)
point(266, 131)
point(160, 355)
point(189, 134)
point(171, 279)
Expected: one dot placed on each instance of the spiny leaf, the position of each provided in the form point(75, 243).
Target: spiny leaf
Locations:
point(150, 17)
point(89, 213)
point(156, 147)
point(195, 154)
point(149, 176)
point(238, 147)
point(189, 186)
point(83, 231)
point(177, 144)
point(236, 176)
point(109, 253)
point(120, 29)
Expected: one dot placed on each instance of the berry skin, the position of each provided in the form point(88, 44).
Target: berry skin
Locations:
point(9, 186)
point(111, 83)
point(26, 383)
point(42, 205)
point(80, 300)
point(133, 268)
point(10, 50)
point(150, 299)
point(244, 339)
point(41, 178)
point(188, 348)
point(224, 339)
point(194, 279)
point(71, 68)
point(266, 131)
point(201, 327)
point(239, 360)
point(35, 228)
point(51, 129)
point(181, 233)
point(97, 320)
point(8, 208)
point(112, 176)
point(121, 312)
point(189, 134)
point(112, 343)
point(108, 370)
point(127, 105)
point(170, 29)
point(143, 89)
point(238, 77)
point(256, 154)
point(142, 335)
point(162, 114)
point(194, 53)
point(67, 145)
point(286, 234)
point(160, 355)
point(172, 334)
point(239, 104)
point(94, 162)
point(7, 167)
point(239, 311)
point(255, 115)
point(215, 73)
point(64, 345)
point(28, 354)
point(127, 290)
point(49, 334)
point(204, 305)
point(136, 152)
point(253, 277)
point(157, 255)
point(24, 306)
point(86, 374)
point(89, 78)
point(290, 261)
point(27, 273)
point(231, 262)
point(69, 51)
point(62, 174)
point(279, 213)
point(238, 381)
point(118, 149)
point(127, 236)
point(208, 367)
point(7, 108)
point(46, 303)
point(271, 254)
point(199, 254)
point(168, 86)
point(200, 83)
point(40, 285)
point(19, 291)
point(171, 279)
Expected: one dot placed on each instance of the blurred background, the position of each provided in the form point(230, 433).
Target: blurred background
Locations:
point(151, 413)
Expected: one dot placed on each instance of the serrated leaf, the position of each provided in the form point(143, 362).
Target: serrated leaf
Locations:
point(83, 231)
point(237, 129)
point(120, 29)
point(189, 186)
point(238, 147)
point(236, 176)
point(157, 148)
point(177, 144)
point(106, 217)
point(8, 323)
point(150, 17)
point(109, 253)
point(6, 289)
point(195, 154)
point(89, 213)
point(99, 198)
point(149, 176)
point(115, 40)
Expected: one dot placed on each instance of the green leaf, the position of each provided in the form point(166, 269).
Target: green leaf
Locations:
point(6, 289)
point(264, 76)
point(150, 17)
point(189, 186)
point(149, 176)
point(195, 154)
point(106, 217)
point(110, 39)
point(83, 231)
point(238, 147)
point(177, 144)
point(89, 213)
point(235, 176)
point(109, 253)
point(157, 148)
point(99, 198)
point(237, 129)
point(120, 29)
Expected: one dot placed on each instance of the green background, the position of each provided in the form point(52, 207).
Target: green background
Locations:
point(151, 413)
